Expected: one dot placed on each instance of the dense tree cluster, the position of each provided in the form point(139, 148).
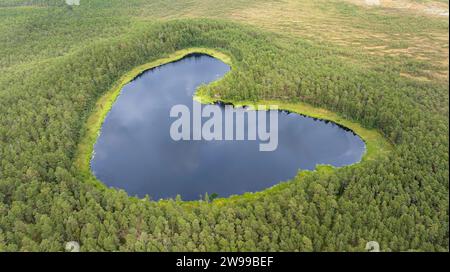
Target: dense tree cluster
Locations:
point(401, 200)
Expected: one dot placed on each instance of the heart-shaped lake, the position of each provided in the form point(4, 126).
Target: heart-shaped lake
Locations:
point(135, 150)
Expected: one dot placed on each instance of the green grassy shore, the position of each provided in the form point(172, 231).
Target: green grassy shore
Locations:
point(376, 144)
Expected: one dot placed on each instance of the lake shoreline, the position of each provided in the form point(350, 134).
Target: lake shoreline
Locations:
point(375, 143)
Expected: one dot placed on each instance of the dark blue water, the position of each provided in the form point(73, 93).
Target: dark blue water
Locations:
point(135, 152)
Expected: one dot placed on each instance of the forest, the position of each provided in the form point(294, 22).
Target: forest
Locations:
point(57, 61)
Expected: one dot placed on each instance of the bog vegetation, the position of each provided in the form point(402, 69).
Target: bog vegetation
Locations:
point(56, 62)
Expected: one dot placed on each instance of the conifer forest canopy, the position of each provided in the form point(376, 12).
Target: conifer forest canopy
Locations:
point(383, 68)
